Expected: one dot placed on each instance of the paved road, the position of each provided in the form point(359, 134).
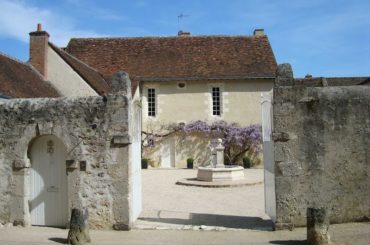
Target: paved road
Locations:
point(194, 215)
point(351, 234)
point(167, 205)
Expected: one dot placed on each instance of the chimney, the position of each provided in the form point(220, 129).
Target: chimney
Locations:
point(308, 76)
point(38, 50)
point(259, 32)
point(183, 34)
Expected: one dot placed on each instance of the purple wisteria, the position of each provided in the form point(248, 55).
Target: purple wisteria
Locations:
point(237, 140)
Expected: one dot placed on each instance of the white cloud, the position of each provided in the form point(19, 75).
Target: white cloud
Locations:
point(17, 19)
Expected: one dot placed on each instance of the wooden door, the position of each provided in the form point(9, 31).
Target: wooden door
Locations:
point(48, 194)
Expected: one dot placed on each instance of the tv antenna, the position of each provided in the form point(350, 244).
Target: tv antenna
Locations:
point(180, 17)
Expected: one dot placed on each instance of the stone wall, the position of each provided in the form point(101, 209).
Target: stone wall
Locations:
point(95, 130)
point(321, 150)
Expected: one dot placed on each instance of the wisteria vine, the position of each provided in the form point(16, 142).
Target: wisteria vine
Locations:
point(236, 140)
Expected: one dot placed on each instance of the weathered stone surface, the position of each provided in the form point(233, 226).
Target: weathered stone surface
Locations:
point(323, 157)
point(86, 126)
point(79, 229)
point(317, 226)
point(281, 136)
point(290, 168)
point(20, 163)
point(121, 83)
point(284, 75)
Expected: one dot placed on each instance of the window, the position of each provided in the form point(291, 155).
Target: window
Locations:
point(151, 102)
point(216, 99)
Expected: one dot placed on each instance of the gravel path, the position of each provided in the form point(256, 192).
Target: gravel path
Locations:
point(170, 206)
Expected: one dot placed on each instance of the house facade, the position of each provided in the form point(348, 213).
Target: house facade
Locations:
point(187, 78)
point(181, 79)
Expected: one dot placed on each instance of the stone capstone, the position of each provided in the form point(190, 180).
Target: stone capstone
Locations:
point(284, 75)
point(121, 83)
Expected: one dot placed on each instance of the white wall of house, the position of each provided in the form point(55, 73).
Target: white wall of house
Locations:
point(240, 103)
point(65, 79)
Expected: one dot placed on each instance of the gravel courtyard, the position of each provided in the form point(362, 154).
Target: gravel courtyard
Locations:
point(170, 206)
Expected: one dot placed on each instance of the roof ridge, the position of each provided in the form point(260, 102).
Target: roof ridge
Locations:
point(346, 77)
point(163, 37)
point(13, 58)
point(178, 56)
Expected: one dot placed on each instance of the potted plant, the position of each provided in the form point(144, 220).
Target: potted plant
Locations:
point(246, 162)
point(144, 163)
point(190, 163)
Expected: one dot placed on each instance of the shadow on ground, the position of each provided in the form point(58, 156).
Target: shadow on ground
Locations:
point(58, 240)
point(227, 221)
point(289, 242)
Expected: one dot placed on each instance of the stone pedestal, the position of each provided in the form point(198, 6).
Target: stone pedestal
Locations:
point(213, 158)
point(220, 156)
point(220, 174)
point(317, 226)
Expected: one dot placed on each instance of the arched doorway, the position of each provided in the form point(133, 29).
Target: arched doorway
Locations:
point(48, 182)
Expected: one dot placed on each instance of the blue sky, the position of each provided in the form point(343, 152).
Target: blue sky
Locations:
point(319, 37)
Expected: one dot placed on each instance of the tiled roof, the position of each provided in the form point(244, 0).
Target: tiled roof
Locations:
point(90, 75)
point(332, 81)
point(196, 57)
point(21, 80)
point(347, 81)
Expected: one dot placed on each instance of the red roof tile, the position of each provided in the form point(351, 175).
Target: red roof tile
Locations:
point(198, 57)
point(21, 80)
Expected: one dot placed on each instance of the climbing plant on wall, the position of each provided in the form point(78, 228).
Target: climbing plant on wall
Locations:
point(236, 140)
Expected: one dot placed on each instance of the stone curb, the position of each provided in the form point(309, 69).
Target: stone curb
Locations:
point(220, 184)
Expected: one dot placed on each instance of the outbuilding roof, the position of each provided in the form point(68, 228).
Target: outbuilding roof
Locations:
point(332, 81)
point(196, 57)
point(21, 80)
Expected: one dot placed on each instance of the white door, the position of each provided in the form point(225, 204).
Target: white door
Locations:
point(168, 153)
point(48, 196)
point(268, 156)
